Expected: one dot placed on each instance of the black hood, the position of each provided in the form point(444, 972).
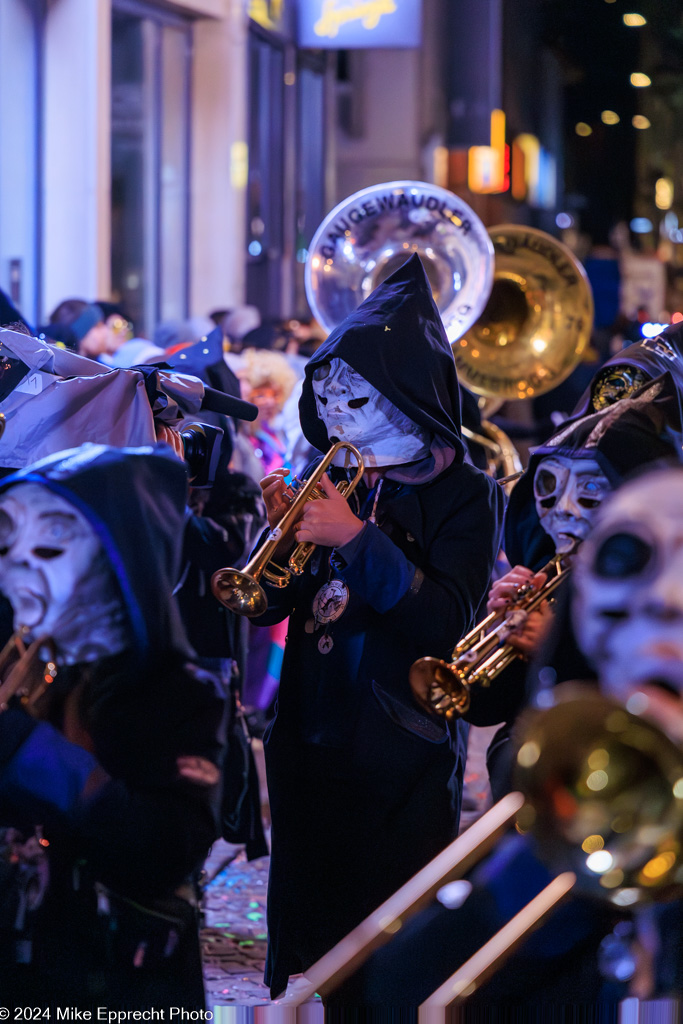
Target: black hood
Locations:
point(645, 428)
point(134, 498)
point(652, 356)
point(397, 342)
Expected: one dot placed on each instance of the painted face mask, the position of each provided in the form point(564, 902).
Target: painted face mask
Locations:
point(56, 577)
point(568, 493)
point(352, 410)
point(628, 602)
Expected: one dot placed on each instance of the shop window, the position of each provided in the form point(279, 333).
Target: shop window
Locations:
point(150, 146)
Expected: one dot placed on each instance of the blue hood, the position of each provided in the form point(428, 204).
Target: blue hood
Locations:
point(134, 499)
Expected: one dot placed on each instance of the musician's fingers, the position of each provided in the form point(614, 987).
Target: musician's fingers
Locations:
point(276, 476)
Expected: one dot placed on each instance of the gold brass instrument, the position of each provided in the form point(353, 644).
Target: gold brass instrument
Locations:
point(240, 589)
point(444, 687)
point(604, 800)
point(537, 322)
point(515, 303)
point(600, 789)
point(26, 672)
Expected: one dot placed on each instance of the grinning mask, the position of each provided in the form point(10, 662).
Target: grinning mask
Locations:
point(567, 493)
point(55, 575)
point(352, 410)
point(628, 604)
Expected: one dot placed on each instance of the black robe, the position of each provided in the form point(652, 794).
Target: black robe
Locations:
point(365, 788)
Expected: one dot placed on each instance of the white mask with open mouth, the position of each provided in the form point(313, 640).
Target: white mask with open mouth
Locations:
point(55, 575)
point(628, 587)
point(354, 411)
point(568, 493)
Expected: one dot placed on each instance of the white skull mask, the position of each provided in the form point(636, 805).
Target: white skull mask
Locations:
point(55, 575)
point(354, 411)
point(568, 492)
point(628, 601)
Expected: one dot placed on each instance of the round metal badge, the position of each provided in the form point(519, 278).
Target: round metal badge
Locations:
point(330, 602)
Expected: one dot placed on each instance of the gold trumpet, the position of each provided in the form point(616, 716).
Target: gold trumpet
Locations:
point(240, 589)
point(26, 670)
point(444, 687)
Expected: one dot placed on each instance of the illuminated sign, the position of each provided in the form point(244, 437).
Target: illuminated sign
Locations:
point(268, 13)
point(355, 24)
point(488, 166)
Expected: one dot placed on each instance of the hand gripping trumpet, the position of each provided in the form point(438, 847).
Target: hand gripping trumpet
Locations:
point(484, 652)
point(240, 589)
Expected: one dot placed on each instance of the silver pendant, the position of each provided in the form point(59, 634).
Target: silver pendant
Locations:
point(330, 602)
point(325, 643)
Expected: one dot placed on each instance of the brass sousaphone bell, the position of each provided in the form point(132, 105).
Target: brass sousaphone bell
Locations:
point(515, 303)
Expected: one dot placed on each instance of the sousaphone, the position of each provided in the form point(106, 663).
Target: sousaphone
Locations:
point(537, 322)
point(372, 233)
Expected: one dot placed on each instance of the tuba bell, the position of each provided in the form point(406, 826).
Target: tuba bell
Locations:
point(537, 322)
point(369, 235)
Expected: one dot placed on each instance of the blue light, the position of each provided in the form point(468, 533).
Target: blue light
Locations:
point(641, 225)
point(255, 248)
point(651, 330)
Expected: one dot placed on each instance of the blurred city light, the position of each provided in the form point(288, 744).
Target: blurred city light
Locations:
point(676, 318)
point(583, 129)
point(564, 220)
point(640, 225)
point(640, 80)
point(640, 121)
point(609, 117)
point(664, 193)
point(634, 20)
point(651, 330)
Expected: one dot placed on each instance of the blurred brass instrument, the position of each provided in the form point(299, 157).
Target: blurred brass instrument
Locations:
point(444, 687)
point(515, 303)
point(240, 589)
point(600, 789)
point(603, 793)
point(26, 670)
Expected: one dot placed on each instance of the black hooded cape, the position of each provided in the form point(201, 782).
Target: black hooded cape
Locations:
point(364, 788)
point(98, 769)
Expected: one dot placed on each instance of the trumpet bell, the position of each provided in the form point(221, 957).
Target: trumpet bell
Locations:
point(438, 688)
point(373, 232)
point(604, 797)
point(239, 592)
point(537, 322)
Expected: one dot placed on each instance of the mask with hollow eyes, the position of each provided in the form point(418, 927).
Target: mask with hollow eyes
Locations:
point(568, 493)
point(55, 575)
point(628, 586)
point(354, 411)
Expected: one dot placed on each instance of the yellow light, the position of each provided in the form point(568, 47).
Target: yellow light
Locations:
point(440, 158)
point(598, 758)
point(592, 843)
point(610, 117)
point(612, 879)
point(664, 193)
point(640, 80)
point(239, 164)
point(634, 20)
point(640, 121)
point(583, 129)
point(658, 866)
point(529, 754)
